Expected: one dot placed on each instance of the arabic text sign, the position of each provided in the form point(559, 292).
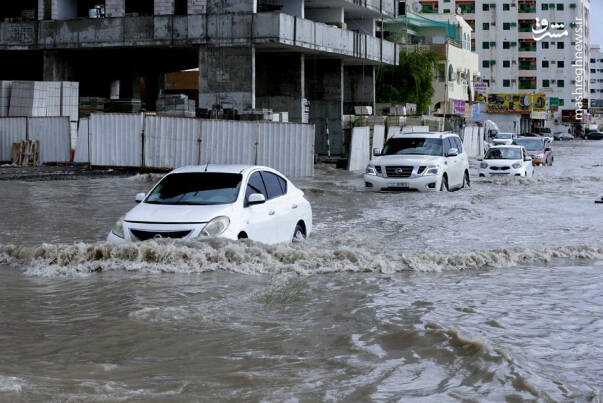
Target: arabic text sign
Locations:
point(458, 107)
point(481, 91)
point(516, 103)
point(541, 30)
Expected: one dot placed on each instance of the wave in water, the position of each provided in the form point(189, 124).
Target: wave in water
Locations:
point(252, 258)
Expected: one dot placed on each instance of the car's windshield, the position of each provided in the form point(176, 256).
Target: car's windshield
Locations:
point(504, 136)
point(506, 153)
point(196, 188)
point(531, 145)
point(413, 146)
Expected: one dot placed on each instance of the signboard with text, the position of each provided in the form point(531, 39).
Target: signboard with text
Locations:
point(516, 103)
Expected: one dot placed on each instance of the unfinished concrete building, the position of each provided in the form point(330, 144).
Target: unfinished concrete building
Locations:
point(250, 54)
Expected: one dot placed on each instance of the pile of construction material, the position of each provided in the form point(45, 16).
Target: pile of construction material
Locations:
point(89, 105)
point(176, 105)
point(124, 106)
point(41, 99)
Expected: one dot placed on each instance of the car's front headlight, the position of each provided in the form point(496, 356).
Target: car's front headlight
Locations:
point(483, 165)
point(517, 165)
point(216, 226)
point(370, 170)
point(431, 170)
point(118, 228)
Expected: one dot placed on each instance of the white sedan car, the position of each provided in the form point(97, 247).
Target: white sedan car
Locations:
point(227, 201)
point(506, 161)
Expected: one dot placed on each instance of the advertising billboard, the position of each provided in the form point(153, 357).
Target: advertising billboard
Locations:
point(516, 103)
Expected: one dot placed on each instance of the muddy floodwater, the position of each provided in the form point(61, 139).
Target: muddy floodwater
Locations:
point(494, 293)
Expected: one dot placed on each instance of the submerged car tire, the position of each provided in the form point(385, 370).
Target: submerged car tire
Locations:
point(466, 180)
point(300, 234)
point(444, 185)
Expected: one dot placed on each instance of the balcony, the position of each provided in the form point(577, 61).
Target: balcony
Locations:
point(527, 66)
point(264, 30)
point(527, 84)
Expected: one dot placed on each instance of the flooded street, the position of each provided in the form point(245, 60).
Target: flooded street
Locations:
point(493, 293)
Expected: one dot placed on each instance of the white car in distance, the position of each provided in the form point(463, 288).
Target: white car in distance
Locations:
point(506, 161)
point(419, 161)
point(226, 201)
point(503, 138)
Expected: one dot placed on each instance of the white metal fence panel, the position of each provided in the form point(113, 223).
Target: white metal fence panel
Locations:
point(116, 140)
point(359, 149)
point(171, 142)
point(378, 137)
point(228, 142)
point(12, 130)
point(391, 131)
point(473, 141)
point(287, 147)
point(81, 145)
point(54, 135)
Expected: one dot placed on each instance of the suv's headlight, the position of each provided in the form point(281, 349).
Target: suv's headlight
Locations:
point(216, 226)
point(370, 170)
point(118, 228)
point(431, 170)
point(517, 165)
point(483, 165)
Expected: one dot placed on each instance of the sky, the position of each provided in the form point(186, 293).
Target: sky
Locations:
point(596, 27)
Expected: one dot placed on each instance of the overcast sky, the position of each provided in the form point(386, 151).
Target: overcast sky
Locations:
point(596, 25)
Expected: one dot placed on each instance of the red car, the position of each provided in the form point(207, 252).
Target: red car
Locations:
point(539, 149)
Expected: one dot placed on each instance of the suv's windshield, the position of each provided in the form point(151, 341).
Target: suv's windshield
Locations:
point(504, 136)
point(503, 154)
point(205, 188)
point(413, 146)
point(531, 144)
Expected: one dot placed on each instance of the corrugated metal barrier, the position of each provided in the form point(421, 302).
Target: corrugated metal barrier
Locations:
point(12, 130)
point(54, 135)
point(81, 149)
point(228, 142)
point(288, 148)
point(171, 142)
point(116, 139)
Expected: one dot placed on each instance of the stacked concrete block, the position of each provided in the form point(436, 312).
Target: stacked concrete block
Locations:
point(197, 6)
point(22, 98)
point(5, 91)
point(176, 105)
point(164, 7)
point(70, 92)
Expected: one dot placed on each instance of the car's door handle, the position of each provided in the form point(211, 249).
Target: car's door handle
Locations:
point(271, 212)
point(294, 206)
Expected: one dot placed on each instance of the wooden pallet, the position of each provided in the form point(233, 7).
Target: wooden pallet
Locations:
point(25, 153)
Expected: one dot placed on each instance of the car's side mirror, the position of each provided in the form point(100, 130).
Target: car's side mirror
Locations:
point(140, 197)
point(453, 152)
point(256, 198)
point(527, 159)
point(376, 152)
point(480, 159)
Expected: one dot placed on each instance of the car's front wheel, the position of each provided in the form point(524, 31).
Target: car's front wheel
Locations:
point(466, 180)
point(300, 234)
point(444, 185)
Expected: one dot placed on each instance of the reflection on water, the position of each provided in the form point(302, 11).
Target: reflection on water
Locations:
point(493, 293)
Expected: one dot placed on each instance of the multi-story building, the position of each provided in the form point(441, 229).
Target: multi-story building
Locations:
point(512, 60)
point(596, 81)
point(276, 54)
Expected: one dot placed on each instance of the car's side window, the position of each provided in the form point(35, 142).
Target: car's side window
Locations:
point(283, 184)
point(255, 185)
point(447, 146)
point(273, 185)
point(459, 144)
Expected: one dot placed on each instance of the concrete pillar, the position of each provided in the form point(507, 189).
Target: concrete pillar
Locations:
point(324, 90)
point(281, 89)
point(359, 84)
point(227, 77)
point(115, 8)
point(163, 7)
point(56, 67)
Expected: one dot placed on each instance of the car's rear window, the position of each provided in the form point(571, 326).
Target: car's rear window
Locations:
point(198, 188)
point(531, 144)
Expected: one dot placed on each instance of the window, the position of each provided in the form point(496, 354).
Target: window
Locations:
point(486, 7)
point(194, 189)
point(506, 26)
point(506, 83)
point(273, 185)
point(255, 185)
point(506, 45)
point(447, 145)
point(181, 7)
point(560, 45)
point(140, 7)
point(486, 63)
point(545, 83)
point(593, 60)
point(559, 6)
point(561, 102)
point(545, 7)
point(446, 1)
point(486, 26)
point(485, 45)
point(560, 83)
point(487, 82)
point(545, 45)
point(506, 63)
point(446, 11)
point(545, 64)
point(456, 142)
point(506, 6)
point(560, 64)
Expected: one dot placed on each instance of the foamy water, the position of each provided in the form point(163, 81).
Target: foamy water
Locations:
point(488, 294)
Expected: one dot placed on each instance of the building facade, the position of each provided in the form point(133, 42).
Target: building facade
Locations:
point(251, 54)
point(596, 81)
point(515, 60)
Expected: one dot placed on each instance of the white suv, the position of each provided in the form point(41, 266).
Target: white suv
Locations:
point(419, 161)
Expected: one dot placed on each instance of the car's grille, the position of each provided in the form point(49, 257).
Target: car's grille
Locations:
point(500, 168)
point(378, 168)
point(145, 235)
point(398, 171)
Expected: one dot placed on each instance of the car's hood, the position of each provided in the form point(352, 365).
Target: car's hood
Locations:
point(159, 213)
point(408, 160)
point(502, 141)
point(501, 163)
